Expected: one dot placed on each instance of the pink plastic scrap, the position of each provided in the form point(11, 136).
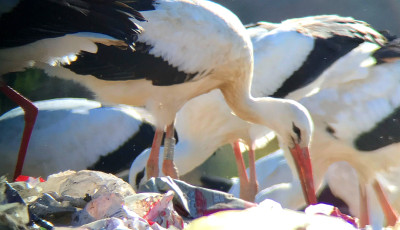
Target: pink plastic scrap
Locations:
point(163, 213)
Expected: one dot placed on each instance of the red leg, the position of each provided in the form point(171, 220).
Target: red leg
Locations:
point(30, 117)
point(169, 168)
point(253, 186)
point(390, 214)
point(244, 180)
point(152, 162)
point(364, 211)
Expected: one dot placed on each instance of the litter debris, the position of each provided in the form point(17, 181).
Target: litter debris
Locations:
point(163, 213)
point(96, 200)
point(78, 184)
point(193, 202)
point(13, 213)
point(109, 207)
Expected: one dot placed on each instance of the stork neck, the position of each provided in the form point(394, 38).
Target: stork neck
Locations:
point(255, 110)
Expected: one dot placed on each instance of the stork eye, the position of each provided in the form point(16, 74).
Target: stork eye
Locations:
point(139, 177)
point(297, 131)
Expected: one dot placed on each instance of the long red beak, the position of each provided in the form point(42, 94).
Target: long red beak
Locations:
point(302, 160)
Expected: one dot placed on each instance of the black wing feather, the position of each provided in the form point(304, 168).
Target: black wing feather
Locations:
point(324, 54)
point(118, 63)
point(334, 36)
point(389, 53)
point(385, 133)
point(32, 20)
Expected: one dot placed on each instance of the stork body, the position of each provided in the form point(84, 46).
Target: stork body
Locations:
point(76, 134)
point(354, 105)
point(357, 117)
point(355, 111)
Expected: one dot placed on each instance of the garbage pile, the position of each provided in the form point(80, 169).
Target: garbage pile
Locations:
point(96, 200)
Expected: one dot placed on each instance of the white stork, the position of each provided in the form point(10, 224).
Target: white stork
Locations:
point(185, 48)
point(355, 109)
point(285, 57)
point(342, 180)
point(355, 112)
point(357, 117)
point(34, 32)
point(76, 134)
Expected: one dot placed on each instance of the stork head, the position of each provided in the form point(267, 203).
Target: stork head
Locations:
point(295, 131)
point(297, 126)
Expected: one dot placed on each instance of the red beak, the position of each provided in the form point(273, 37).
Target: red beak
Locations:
point(302, 160)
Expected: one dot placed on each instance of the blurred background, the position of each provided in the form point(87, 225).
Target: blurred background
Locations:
point(381, 14)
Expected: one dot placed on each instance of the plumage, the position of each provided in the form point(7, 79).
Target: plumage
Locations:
point(76, 134)
point(354, 105)
point(115, 63)
point(356, 118)
point(355, 109)
point(312, 44)
point(30, 21)
point(371, 97)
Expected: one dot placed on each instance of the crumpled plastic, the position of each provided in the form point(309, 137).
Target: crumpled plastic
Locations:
point(193, 202)
point(163, 213)
point(153, 211)
point(96, 200)
point(109, 207)
point(75, 187)
point(63, 195)
point(14, 212)
point(78, 184)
